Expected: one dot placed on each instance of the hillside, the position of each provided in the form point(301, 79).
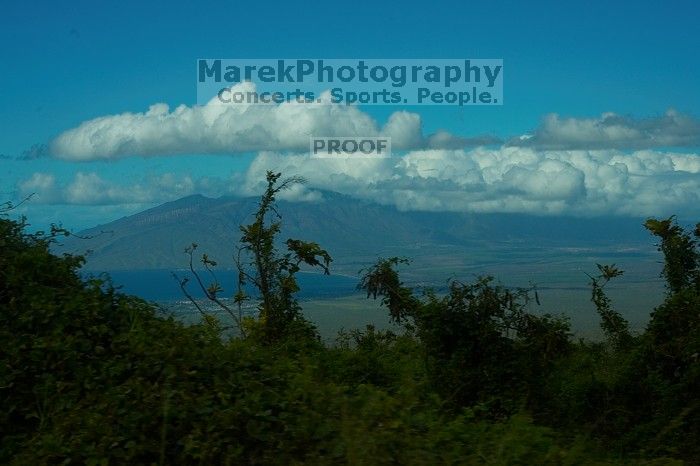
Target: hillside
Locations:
point(355, 232)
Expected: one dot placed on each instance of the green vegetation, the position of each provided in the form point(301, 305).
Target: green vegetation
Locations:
point(91, 376)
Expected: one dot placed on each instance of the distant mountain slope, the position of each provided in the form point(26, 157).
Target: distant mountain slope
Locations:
point(353, 231)
point(156, 237)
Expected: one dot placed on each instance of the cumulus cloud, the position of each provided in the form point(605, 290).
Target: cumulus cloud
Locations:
point(567, 165)
point(41, 184)
point(217, 128)
point(91, 189)
point(612, 131)
point(506, 179)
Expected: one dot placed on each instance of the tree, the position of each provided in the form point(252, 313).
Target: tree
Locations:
point(382, 279)
point(615, 327)
point(681, 260)
point(480, 344)
point(271, 273)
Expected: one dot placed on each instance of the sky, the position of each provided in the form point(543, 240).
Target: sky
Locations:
point(99, 114)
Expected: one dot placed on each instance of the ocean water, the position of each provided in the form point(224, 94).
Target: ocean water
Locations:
point(160, 285)
point(334, 303)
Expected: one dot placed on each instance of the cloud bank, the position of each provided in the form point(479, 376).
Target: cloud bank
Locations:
point(609, 165)
point(216, 128)
point(612, 131)
point(88, 188)
point(505, 179)
point(508, 179)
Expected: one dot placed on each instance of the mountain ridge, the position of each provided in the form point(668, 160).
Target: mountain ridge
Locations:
point(354, 232)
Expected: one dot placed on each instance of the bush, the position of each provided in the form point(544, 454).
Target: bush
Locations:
point(91, 376)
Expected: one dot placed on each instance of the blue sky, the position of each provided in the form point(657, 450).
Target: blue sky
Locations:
point(65, 63)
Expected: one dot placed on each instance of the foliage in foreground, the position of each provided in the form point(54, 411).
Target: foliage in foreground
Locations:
point(90, 376)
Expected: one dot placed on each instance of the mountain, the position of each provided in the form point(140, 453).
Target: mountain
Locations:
point(355, 232)
point(156, 237)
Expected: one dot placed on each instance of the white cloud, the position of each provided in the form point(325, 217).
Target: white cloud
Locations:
point(505, 179)
point(42, 182)
point(405, 131)
point(216, 128)
point(612, 131)
point(92, 189)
